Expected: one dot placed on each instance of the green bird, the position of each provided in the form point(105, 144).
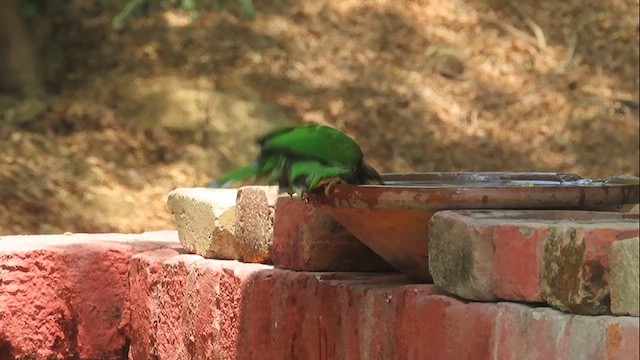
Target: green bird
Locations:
point(304, 158)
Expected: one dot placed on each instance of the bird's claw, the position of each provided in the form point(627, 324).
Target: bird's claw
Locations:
point(330, 184)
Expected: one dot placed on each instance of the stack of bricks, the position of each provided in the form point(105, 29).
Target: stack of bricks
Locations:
point(261, 276)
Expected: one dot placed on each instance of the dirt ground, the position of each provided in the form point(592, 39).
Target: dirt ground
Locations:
point(437, 85)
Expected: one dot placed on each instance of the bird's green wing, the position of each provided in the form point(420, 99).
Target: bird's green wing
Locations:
point(244, 173)
point(313, 142)
point(270, 169)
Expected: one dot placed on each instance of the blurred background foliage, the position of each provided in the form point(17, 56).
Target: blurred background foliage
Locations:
point(107, 105)
point(190, 7)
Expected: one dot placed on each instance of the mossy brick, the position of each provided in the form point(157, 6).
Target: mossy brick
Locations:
point(461, 254)
point(575, 266)
point(550, 256)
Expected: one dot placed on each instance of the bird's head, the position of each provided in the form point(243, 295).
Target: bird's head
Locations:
point(368, 175)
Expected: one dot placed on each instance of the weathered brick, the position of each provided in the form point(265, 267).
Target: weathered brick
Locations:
point(206, 221)
point(320, 330)
point(66, 296)
point(254, 222)
point(173, 322)
point(537, 333)
point(307, 238)
point(201, 319)
point(350, 301)
point(461, 254)
point(231, 298)
point(575, 264)
point(144, 282)
point(624, 277)
point(543, 333)
point(281, 314)
point(623, 338)
point(358, 333)
point(589, 337)
point(553, 256)
point(197, 308)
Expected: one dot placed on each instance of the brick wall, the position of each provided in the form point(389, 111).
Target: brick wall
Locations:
point(108, 296)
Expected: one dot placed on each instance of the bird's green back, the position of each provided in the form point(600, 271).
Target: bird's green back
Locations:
point(314, 142)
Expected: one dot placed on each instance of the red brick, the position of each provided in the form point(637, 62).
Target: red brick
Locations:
point(66, 296)
point(321, 329)
point(288, 315)
point(171, 329)
point(350, 299)
point(280, 314)
point(469, 331)
point(230, 303)
point(332, 303)
point(307, 238)
point(202, 319)
point(256, 316)
point(517, 266)
point(184, 307)
point(537, 333)
point(378, 313)
point(420, 323)
point(337, 322)
point(144, 280)
point(198, 309)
